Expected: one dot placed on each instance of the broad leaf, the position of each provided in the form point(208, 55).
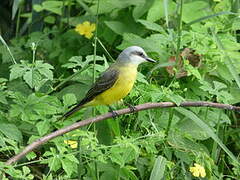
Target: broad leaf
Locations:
point(11, 131)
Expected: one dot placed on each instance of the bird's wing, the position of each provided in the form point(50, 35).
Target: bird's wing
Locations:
point(103, 83)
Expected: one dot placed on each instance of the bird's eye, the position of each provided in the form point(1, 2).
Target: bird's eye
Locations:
point(141, 54)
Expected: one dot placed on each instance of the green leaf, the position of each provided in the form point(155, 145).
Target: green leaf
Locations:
point(69, 99)
point(177, 99)
point(106, 6)
point(152, 26)
point(141, 78)
point(72, 158)
point(26, 170)
point(224, 72)
point(52, 3)
point(126, 173)
point(208, 17)
point(15, 7)
point(43, 108)
point(156, 12)
point(119, 27)
point(191, 129)
point(50, 19)
point(38, 8)
point(5, 44)
point(28, 77)
point(229, 62)
point(74, 62)
point(44, 69)
point(152, 43)
point(158, 168)
point(43, 127)
point(183, 142)
point(219, 86)
point(3, 97)
point(235, 92)
point(68, 166)
point(122, 155)
point(208, 130)
point(11, 131)
point(193, 10)
point(17, 70)
point(142, 8)
point(53, 6)
point(30, 156)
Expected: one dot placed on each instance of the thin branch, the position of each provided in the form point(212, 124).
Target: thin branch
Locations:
point(140, 107)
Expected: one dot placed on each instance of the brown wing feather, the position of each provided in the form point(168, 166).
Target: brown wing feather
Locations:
point(103, 83)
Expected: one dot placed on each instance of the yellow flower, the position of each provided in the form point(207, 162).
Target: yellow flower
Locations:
point(73, 144)
point(86, 29)
point(197, 170)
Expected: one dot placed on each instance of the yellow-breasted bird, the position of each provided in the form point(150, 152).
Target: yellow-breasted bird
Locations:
point(116, 82)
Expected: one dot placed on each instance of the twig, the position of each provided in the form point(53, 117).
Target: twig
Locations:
point(140, 107)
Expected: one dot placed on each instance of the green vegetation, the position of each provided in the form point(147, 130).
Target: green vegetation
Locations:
point(50, 53)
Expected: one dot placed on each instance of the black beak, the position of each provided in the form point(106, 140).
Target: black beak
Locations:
point(150, 60)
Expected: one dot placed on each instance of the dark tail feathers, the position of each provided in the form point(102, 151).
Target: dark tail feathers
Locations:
point(73, 110)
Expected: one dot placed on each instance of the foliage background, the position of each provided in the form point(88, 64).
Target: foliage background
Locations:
point(46, 66)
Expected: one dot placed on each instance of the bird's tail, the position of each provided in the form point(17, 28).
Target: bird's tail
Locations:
point(71, 111)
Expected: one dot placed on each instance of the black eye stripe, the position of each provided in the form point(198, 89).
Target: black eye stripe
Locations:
point(138, 53)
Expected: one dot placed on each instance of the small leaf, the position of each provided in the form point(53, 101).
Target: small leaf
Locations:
point(3, 97)
point(15, 7)
point(26, 170)
point(75, 61)
point(193, 10)
point(177, 99)
point(28, 77)
point(219, 86)
point(118, 27)
point(31, 155)
point(158, 168)
point(37, 7)
point(152, 26)
point(69, 99)
point(11, 131)
point(43, 127)
point(17, 71)
point(68, 166)
point(127, 174)
point(157, 10)
point(53, 6)
point(72, 158)
point(50, 19)
point(142, 8)
point(44, 69)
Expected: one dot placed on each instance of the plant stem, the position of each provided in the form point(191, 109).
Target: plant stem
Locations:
point(67, 79)
point(109, 55)
point(179, 31)
point(169, 121)
point(5, 44)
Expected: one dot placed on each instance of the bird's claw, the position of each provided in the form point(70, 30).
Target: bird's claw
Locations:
point(114, 114)
point(132, 108)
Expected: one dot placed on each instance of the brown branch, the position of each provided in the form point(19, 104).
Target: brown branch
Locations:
point(140, 107)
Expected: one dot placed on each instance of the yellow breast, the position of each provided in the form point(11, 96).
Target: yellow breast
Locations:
point(121, 88)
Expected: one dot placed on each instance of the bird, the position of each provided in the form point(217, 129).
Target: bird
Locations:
point(116, 82)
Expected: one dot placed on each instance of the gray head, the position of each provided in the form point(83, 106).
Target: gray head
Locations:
point(134, 55)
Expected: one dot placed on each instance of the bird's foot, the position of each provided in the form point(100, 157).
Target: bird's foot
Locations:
point(114, 113)
point(132, 108)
